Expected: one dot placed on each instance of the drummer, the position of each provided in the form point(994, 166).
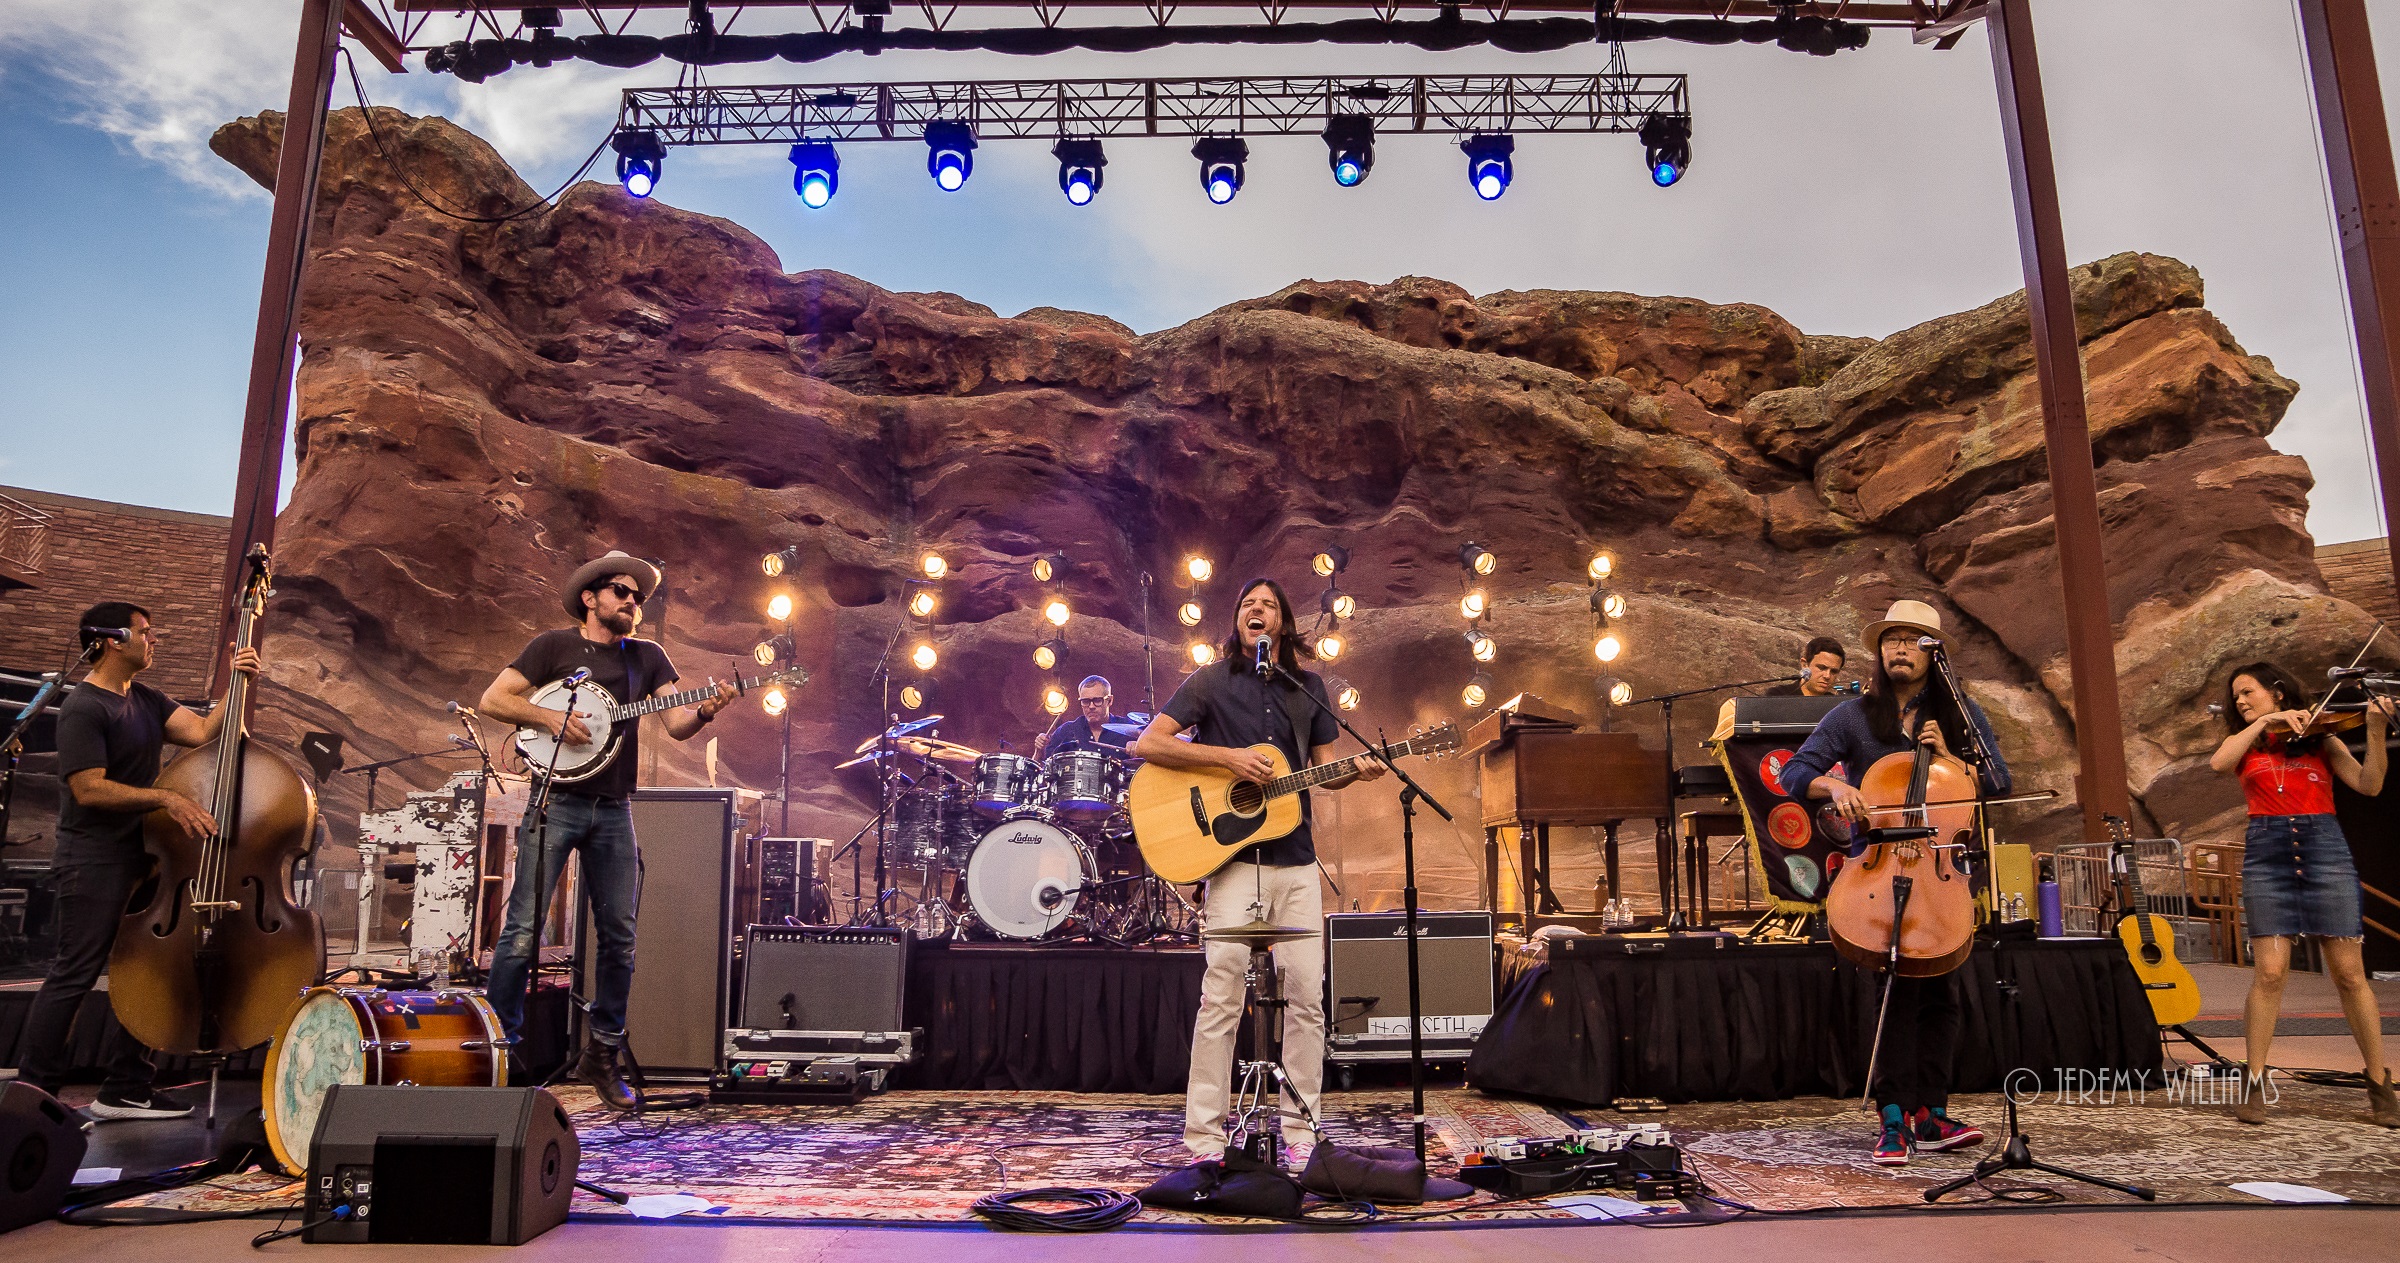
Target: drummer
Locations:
point(1094, 726)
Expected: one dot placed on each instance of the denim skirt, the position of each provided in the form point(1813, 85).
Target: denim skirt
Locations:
point(2297, 878)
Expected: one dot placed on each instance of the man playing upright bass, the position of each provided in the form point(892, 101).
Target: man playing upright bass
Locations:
point(1234, 707)
point(1913, 1087)
point(592, 815)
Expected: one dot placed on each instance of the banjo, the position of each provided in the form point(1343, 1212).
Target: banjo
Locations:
point(601, 713)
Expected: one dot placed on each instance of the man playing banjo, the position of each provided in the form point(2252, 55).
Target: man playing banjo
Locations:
point(593, 814)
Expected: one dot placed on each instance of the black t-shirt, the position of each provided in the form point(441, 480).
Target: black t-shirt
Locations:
point(1789, 688)
point(1075, 733)
point(629, 669)
point(121, 735)
point(1231, 706)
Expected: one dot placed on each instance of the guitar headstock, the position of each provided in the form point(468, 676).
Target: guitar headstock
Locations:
point(2120, 833)
point(1435, 742)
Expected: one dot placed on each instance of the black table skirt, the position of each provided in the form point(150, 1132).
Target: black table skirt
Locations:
point(1052, 1019)
point(1769, 1023)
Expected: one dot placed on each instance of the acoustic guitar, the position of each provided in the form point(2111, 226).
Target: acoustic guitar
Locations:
point(2149, 939)
point(1190, 821)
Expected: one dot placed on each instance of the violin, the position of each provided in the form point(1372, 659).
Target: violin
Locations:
point(216, 951)
point(1905, 904)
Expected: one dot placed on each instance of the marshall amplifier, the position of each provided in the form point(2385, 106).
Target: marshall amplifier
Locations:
point(1366, 976)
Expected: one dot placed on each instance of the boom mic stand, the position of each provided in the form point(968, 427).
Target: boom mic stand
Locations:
point(1411, 794)
point(1672, 907)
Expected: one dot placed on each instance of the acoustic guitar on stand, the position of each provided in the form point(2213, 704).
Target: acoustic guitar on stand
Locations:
point(1189, 821)
point(2149, 939)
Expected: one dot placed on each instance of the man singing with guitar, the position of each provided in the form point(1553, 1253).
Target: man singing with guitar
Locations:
point(1236, 703)
point(590, 814)
point(1913, 1086)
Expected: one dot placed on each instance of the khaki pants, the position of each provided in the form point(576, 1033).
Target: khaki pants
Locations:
point(1285, 896)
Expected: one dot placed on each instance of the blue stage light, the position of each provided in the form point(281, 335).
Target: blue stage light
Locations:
point(1350, 147)
point(1222, 160)
point(1667, 147)
point(641, 155)
point(1490, 164)
point(1079, 164)
point(816, 173)
point(949, 153)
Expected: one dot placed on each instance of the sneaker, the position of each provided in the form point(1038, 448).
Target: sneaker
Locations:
point(151, 1103)
point(1892, 1149)
point(1937, 1132)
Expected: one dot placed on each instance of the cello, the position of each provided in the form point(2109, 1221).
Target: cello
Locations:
point(213, 951)
point(1905, 904)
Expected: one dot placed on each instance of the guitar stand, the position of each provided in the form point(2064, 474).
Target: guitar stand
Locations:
point(2217, 1061)
point(2017, 1155)
point(1258, 1100)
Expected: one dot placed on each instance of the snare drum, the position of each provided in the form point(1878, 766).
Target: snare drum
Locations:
point(1085, 784)
point(1026, 878)
point(366, 1035)
point(1003, 781)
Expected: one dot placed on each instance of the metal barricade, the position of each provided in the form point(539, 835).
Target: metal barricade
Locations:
point(2087, 894)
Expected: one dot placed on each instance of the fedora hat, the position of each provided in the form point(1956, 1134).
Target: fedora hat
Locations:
point(608, 566)
point(1912, 614)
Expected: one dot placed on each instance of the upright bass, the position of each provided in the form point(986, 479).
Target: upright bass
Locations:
point(213, 951)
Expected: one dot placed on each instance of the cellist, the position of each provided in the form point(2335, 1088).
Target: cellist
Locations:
point(111, 731)
point(1912, 1089)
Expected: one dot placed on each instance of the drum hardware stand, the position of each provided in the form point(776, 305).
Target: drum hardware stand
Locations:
point(1258, 1099)
point(1411, 793)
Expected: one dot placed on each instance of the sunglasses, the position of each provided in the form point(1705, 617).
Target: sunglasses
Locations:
point(623, 593)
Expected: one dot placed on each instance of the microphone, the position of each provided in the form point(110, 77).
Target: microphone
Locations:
point(2347, 673)
point(117, 634)
point(577, 678)
point(1050, 894)
point(1264, 664)
point(467, 711)
point(461, 742)
point(1930, 644)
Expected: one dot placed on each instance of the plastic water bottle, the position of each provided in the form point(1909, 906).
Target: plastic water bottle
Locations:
point(2054, 922)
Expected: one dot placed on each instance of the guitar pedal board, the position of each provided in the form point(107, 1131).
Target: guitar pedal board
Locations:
point(1641, 1158)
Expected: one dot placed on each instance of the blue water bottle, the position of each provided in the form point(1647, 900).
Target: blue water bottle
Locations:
point(2054, 920)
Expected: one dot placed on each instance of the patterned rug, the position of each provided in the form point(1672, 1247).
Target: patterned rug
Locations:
point(926, 1156)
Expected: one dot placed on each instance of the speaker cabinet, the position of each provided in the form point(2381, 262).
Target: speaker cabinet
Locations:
point(804, 978)
point(682, 931)
point(457, 1166)
point(41, 1144)
point(1366, 979)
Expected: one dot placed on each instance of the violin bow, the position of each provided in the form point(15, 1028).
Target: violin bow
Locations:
point(2355, 659)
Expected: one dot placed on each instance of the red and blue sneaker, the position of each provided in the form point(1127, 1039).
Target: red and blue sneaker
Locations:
point(1937, 1132)
point(1892, 1149)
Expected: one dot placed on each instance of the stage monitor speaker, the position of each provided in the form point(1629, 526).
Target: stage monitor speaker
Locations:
point(41, 1144)
point(1366, 977)
point(804, 978)
point(456, 1166)
point(682, 930)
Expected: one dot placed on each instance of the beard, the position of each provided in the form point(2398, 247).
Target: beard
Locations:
point(621, 623)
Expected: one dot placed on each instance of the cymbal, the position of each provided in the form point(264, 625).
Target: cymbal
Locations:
point(936, 748)
point(1256, 935)
point(869, 757)
point(897, 731)
point(1124, 730)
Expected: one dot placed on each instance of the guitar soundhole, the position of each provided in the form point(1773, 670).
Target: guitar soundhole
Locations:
point(2151, 955)
point(1246, 796)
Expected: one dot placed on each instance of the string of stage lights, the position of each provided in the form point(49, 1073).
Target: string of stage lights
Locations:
point(1485, 112)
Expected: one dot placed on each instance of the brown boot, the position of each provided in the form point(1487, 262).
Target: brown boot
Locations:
point(2385, 1100)
point(604, 1069)
point(2250, 1100)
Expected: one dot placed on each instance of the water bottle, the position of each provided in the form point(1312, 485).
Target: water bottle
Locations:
point(2054, 921)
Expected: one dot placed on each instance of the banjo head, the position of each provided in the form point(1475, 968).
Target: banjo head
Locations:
point(591, 705)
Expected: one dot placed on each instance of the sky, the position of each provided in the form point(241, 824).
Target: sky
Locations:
point(1858, 194)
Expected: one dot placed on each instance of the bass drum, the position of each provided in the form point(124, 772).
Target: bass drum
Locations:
point(366, 1035)
point(1026, 877)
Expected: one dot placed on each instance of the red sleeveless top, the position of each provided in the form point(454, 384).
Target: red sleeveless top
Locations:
point(2279, 783)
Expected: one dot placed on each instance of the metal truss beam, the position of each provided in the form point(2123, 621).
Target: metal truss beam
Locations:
point(1049, 108)
point(1869, 12)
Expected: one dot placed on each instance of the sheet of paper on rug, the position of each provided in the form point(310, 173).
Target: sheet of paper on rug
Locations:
point(1601, 1206)
point(99, 1175)
point(666, 1205)
point(2275, 1192)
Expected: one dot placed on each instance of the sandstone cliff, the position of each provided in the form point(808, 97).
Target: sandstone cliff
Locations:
point(481, 407)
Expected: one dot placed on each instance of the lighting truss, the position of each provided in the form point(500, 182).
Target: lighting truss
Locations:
point(1044, 109)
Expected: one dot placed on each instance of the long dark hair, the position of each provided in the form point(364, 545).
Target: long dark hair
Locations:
point(2289, 694)
point(1289, 646)
point(1882, 707)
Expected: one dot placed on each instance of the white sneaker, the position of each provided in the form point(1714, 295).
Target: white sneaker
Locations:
point(152, 1104)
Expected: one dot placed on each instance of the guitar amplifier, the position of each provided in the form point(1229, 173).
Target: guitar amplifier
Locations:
point(1366, 978)
point(789, 873)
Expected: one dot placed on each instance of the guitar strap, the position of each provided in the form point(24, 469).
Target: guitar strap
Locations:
point(634, 691)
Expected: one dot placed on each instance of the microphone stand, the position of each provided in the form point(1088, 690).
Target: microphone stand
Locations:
point(1149, 654)
point(538, 811)
point(1671, 903)
point(12, 744)
point(1411, 794)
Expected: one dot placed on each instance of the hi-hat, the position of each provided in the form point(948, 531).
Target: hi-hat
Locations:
point(1256, 935)
point(1124, 730)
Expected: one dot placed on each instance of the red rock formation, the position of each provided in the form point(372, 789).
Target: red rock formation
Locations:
point(483, 406)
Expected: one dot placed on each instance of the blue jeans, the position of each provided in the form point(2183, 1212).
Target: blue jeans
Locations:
point(602, 830)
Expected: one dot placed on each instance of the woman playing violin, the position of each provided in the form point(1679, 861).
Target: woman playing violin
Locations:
point(2297, 876)
point(1912, 1090)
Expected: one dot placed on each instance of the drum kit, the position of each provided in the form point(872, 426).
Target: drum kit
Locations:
point(1001, 846)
